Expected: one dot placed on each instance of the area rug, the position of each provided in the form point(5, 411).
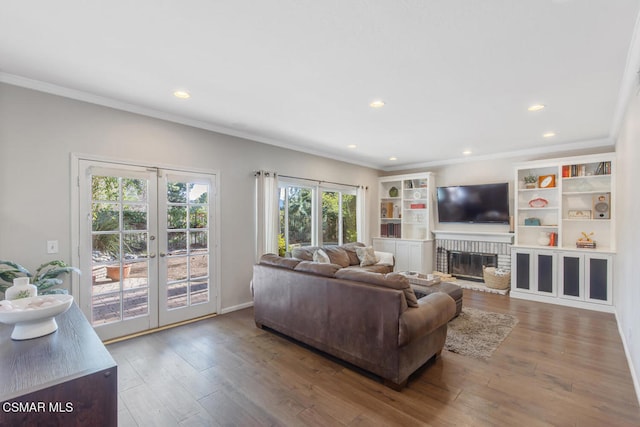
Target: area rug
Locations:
point(478, 333)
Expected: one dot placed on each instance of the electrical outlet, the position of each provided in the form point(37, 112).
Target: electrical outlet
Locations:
point(52, 246)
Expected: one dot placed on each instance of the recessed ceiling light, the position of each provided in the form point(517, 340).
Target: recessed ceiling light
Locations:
point(352, 146)
point(548, 135)
point(536, 107)
point(378, 103)
point(182, 94)
point(393, 158)
point(466, 152)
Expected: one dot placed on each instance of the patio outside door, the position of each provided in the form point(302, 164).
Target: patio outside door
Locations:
point(145, 249)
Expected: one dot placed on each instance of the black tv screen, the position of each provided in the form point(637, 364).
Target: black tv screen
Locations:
point(486, 203)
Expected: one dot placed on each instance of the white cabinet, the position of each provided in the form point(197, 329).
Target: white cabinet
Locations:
point(410, 255)
point(586, 277)
point(534, 271)
point(568, 277)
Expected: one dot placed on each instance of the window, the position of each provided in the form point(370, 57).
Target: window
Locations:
point(314, 215)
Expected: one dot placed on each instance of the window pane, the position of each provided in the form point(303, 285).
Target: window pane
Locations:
point(198, 193)
point(106, 216)
point(299, 216)
point(134, 190)
point(198, 266)
point(105, 247)
point(197, 217)
point(177, 268)
point(177, 217)
point(177, 242)
point(199, 292)
point(134, 217)
point(105, 188)
point(349, 219)
point(330, 217)
point(177, 192)
point(177, 295)
point(198, 241)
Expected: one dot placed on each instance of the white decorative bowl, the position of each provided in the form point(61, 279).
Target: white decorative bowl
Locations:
point(33, 317)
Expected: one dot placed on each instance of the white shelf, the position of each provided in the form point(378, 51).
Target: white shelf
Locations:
point(570, 193)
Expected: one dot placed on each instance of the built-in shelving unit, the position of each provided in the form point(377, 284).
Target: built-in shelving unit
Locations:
point(565, 231)
point(406, 220)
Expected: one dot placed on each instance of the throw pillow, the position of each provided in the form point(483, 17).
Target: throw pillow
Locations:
point(367, 256)
point(384, 258)
point(321, 257)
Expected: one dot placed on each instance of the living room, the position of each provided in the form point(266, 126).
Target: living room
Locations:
point(43, 124)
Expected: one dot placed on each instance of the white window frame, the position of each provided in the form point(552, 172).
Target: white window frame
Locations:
point(317, 188)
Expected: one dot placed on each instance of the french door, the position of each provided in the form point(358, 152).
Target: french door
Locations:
point(146, 247)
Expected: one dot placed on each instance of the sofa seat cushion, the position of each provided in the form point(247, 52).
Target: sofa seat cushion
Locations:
point(390, 280)
point(278, 261)
point(320, 269)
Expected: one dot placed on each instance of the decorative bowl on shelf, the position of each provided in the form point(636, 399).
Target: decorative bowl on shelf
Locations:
point(393, 192)
point(538, 202)
point(33, 317)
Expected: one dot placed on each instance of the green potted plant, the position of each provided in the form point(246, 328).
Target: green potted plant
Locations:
point(46, 278)
point(530, 181)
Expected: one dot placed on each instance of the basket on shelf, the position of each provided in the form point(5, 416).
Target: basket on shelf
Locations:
point(496, 278)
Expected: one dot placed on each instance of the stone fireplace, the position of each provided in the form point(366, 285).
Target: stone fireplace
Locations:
point(463, 254)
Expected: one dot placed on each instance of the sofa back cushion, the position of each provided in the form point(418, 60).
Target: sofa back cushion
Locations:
point(337, 255)
point(319, 269)
point(278, 261)
point(350, 248)
point(304, 253)
point(390, 280)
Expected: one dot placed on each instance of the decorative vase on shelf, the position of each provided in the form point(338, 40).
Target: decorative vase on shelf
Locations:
point(544, 239)
point(21, 289)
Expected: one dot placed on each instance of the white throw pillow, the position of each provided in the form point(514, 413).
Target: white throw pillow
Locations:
point(367, 256)
point(321, 257)
point(384, 258)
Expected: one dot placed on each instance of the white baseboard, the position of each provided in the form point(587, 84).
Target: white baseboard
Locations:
point(236, 307)
point(634, 376)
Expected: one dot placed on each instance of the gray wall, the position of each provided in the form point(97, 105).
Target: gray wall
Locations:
point(38, 133)
point(627, 208)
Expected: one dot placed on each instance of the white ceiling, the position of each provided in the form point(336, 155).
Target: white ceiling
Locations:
point(455, 75)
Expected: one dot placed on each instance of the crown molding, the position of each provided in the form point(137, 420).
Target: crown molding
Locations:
point(545, 150)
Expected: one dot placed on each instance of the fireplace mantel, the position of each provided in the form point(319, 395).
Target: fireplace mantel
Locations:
point(474, 236)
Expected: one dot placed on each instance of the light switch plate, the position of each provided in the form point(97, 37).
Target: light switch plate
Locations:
point(52, 246)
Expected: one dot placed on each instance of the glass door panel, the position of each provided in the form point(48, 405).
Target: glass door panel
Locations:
point(119, 206)
point(185, 268)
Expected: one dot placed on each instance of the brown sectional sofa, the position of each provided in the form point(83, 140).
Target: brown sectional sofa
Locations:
point(366, 318)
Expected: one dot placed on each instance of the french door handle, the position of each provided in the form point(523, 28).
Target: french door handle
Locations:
point(162, 254)
point(152, 255)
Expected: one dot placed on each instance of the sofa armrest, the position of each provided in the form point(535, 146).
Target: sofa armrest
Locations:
point(433, 311)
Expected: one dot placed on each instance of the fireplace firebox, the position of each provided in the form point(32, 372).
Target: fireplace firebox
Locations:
point(468, 265)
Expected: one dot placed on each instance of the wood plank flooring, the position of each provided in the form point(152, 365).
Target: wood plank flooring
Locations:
point(559, 366)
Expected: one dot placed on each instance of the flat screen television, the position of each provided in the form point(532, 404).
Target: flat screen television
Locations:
point(476, 204)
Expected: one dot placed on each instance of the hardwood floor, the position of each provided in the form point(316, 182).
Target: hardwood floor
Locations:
point(559, 366)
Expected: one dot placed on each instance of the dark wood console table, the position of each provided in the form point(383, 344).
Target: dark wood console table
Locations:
point(66, 378)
